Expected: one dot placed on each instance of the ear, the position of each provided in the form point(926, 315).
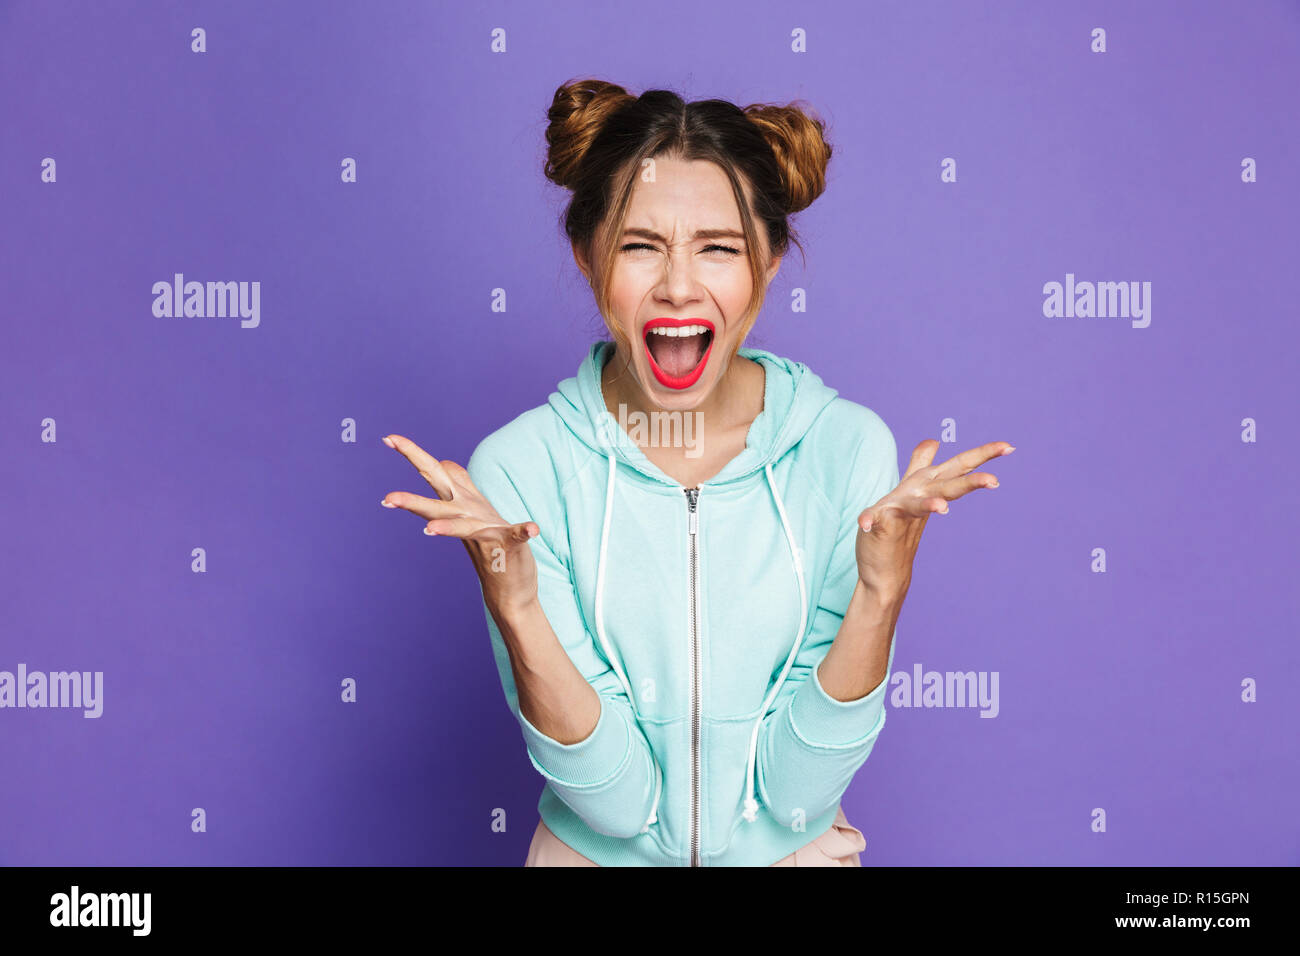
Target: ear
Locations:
point(580, 257)
point(772, 268)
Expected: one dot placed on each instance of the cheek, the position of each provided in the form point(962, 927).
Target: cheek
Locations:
point(733, 293)
point(629, 286)
point(625, 301)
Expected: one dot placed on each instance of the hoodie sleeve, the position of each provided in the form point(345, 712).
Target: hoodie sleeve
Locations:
point(608, 778)
point(810, 745)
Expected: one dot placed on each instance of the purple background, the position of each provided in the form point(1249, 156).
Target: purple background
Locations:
point(1118, 690)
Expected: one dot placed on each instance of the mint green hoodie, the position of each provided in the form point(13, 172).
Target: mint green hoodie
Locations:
point(698, 616)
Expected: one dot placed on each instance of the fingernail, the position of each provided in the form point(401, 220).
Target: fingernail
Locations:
point(384, 502)
point(1009, 450)
point(993, 484)
point(389, 442)
point(428, 530)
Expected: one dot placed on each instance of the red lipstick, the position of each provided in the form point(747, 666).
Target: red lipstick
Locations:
point(686, 379)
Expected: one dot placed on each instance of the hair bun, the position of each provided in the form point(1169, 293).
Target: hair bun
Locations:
point(798, 139)
point(578, 110)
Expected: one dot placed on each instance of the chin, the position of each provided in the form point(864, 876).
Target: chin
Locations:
point(677, 399)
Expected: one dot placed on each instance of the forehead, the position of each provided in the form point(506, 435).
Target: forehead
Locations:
point(695, 191)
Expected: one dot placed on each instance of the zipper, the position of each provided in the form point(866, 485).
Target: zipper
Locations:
point(692, 500)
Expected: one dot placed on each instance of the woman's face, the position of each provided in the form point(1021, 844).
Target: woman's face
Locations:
point(680, 268)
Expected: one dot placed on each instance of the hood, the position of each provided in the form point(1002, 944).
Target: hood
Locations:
point(793, 397)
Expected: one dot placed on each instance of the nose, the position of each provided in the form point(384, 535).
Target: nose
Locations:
point(680, 283)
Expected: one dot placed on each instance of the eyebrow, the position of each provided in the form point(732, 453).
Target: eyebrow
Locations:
point(699, 234)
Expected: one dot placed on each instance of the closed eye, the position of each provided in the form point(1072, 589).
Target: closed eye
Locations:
point(727, 250)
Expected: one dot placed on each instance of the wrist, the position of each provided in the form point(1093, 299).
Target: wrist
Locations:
point(858, 659)
point(512, 611)
point(886, 598)
point(530, 642)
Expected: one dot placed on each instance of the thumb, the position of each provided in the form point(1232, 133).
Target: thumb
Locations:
point(521, 533)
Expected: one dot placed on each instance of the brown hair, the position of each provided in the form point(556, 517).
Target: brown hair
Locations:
point(600, 135)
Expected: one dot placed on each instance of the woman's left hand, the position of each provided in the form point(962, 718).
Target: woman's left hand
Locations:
point(890, 530)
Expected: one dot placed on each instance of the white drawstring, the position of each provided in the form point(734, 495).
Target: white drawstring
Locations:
point(751, 804)
point(600, 627)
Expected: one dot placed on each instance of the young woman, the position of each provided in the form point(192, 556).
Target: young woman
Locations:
point(693, 631)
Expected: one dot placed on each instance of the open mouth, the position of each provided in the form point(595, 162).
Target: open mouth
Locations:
point(678, 349)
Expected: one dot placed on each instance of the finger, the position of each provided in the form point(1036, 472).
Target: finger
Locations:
point(428, 466)
point(519, 533)
point(916, 506)
point(457, 472)
point(973, 458)
point(427, 508)
point(460, 480)
point(954, 488)
point(866, 520)
point(458, 527)
point(922, 455)
point(462, 527)
point(923, 507)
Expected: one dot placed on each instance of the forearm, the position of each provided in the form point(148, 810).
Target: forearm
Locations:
point(553, 695)
point(818, 736)
point(583, 739)
point(858, 659)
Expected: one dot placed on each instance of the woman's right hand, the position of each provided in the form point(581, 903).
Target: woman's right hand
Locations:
point(500, 552)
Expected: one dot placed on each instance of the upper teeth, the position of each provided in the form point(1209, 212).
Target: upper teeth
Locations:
point(680, 329)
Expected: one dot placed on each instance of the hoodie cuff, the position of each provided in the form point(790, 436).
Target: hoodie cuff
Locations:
point(588, 762)
point(819, 720)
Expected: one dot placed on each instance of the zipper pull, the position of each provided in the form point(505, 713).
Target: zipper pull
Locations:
point(694, 515)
